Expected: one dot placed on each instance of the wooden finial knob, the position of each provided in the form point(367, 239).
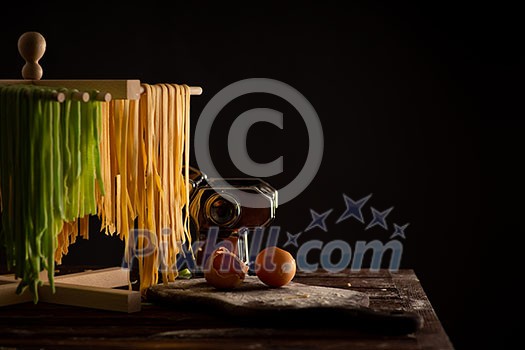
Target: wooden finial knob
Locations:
point(32, 46)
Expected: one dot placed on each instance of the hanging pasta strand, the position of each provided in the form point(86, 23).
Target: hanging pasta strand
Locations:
point(186, 178)
point(172, 189)
point(150, 276)
point(105, 201)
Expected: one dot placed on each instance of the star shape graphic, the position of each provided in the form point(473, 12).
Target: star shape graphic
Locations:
point(399, 231)
point(292, 239)
point(353, 208)
point(318, 220)
point(379, 218)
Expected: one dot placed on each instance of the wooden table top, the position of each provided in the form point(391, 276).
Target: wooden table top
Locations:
point(57, 326)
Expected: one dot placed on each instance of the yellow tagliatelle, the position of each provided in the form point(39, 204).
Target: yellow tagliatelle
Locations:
point(162, 192)
point(144, 164)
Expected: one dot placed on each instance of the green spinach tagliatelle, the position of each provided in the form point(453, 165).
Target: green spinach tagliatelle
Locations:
point(49, 165)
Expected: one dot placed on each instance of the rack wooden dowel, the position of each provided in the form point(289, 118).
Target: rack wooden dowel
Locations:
point(103, 96)
point(81, 96)
point(58, 96)
point(195, 90)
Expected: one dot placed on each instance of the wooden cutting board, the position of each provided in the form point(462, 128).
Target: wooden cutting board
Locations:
point(295, 305)
point(253, 294)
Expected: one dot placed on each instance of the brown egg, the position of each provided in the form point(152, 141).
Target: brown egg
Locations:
point(275, 267)
point(224, 270)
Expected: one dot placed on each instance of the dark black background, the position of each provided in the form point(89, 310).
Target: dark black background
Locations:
point(418, 102)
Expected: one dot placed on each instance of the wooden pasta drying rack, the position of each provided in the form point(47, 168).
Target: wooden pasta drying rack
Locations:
point(93, 289)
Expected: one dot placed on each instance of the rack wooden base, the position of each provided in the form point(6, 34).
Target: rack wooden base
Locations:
point(92, 289)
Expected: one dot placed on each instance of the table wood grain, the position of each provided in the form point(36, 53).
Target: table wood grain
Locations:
point(56, 326)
